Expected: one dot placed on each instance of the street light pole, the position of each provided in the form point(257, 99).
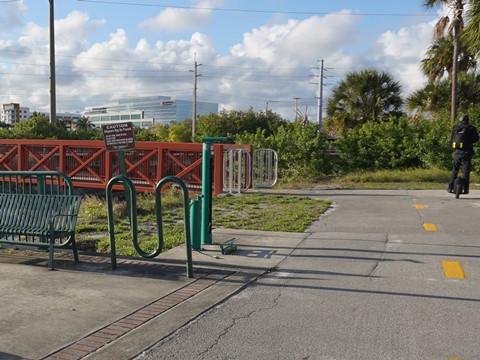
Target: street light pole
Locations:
point(53, 104)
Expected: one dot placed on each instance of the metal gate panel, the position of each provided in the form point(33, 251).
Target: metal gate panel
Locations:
point(237, 165)
point(265, 168)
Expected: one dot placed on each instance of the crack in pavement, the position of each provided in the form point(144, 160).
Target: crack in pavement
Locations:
point(235, 320)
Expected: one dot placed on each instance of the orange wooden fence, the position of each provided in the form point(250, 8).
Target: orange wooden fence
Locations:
point(89, 165)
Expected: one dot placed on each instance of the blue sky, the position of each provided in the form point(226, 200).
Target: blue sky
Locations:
point(251, 51)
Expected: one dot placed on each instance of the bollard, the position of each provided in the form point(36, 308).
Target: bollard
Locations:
point(196, 222)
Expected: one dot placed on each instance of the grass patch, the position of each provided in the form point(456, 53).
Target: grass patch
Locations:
point(247, 211)
point(412, 179)
point(267, 212)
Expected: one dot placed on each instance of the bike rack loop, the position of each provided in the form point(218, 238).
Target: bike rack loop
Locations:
point(134, 223)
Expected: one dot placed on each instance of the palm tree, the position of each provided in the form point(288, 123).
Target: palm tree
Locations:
point(454, 31)
point(438, 59)
point(472, 30)
point(84, 124)
point(429, 100)
point(364, 96)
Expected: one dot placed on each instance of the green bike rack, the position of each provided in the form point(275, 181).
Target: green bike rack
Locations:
point(133, 219)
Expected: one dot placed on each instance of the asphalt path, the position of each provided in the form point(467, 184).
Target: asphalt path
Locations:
point(382, 275)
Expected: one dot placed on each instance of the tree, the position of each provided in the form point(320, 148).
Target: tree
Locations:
point(38, 126)
point(432, 98)
point(471, 35)
point(235, 122)
point(454, 31)
point(84, 124)
point(85, 130)
point(363, 96)
point(438, 59)
point(180, 131)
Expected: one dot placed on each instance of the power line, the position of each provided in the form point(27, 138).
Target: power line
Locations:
point(254, 10)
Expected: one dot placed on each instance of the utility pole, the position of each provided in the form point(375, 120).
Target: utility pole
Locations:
point(194, 105)
point(321, 69)
point(296, 106)
point(53, 101)
point(267, 102)
point(320, 99)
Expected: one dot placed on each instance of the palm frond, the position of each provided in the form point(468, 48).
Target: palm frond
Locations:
point(440, 26)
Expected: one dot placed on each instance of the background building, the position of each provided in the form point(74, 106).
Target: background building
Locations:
point(13, 113)
point(98, 116)
point(148, 111)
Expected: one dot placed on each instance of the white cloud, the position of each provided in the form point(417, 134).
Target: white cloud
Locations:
point(272, 62)
point(11, 16)
point(175, 19)
point(401, 52)
point(298, 41)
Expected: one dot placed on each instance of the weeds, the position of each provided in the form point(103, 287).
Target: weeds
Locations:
point(248, 211)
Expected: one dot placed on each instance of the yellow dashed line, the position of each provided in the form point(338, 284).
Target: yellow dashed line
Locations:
point(430, 227)
point(419, 206)
point(453, 269)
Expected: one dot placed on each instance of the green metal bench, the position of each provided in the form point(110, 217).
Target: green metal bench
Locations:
point(39, 220)
point(38, 208)
point(228, 246)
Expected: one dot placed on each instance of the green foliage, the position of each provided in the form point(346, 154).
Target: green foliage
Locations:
point(401, 144)
point(145, 135)
point(38, 126)
point(300, 147)
point(85, 130)
point(228, 123)
point(180, 131)
point(436, 95)
point(438, 59)
point(361, 97)
point(393, 144)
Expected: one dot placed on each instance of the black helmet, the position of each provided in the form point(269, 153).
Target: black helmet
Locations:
point(464, 119)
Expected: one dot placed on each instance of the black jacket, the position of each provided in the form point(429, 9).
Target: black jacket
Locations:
point(471, 135)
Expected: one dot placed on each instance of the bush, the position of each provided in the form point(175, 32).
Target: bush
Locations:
point(301, 150)
point(379, 145)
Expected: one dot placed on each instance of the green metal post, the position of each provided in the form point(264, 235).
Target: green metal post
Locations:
point(196, 222)
point(126, 189)
point(206, 228)
point(207, 183)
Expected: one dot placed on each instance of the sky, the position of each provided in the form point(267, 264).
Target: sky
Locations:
point(250, 53)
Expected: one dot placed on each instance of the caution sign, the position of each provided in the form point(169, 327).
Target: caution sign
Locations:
point(119, 137)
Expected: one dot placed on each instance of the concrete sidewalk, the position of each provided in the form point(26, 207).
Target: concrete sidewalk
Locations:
point(86, 310)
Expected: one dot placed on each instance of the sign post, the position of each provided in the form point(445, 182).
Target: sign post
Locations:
point(119, 137)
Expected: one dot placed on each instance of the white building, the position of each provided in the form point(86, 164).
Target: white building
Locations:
point(13, 113)
point(100, 116)
point(146, 111)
